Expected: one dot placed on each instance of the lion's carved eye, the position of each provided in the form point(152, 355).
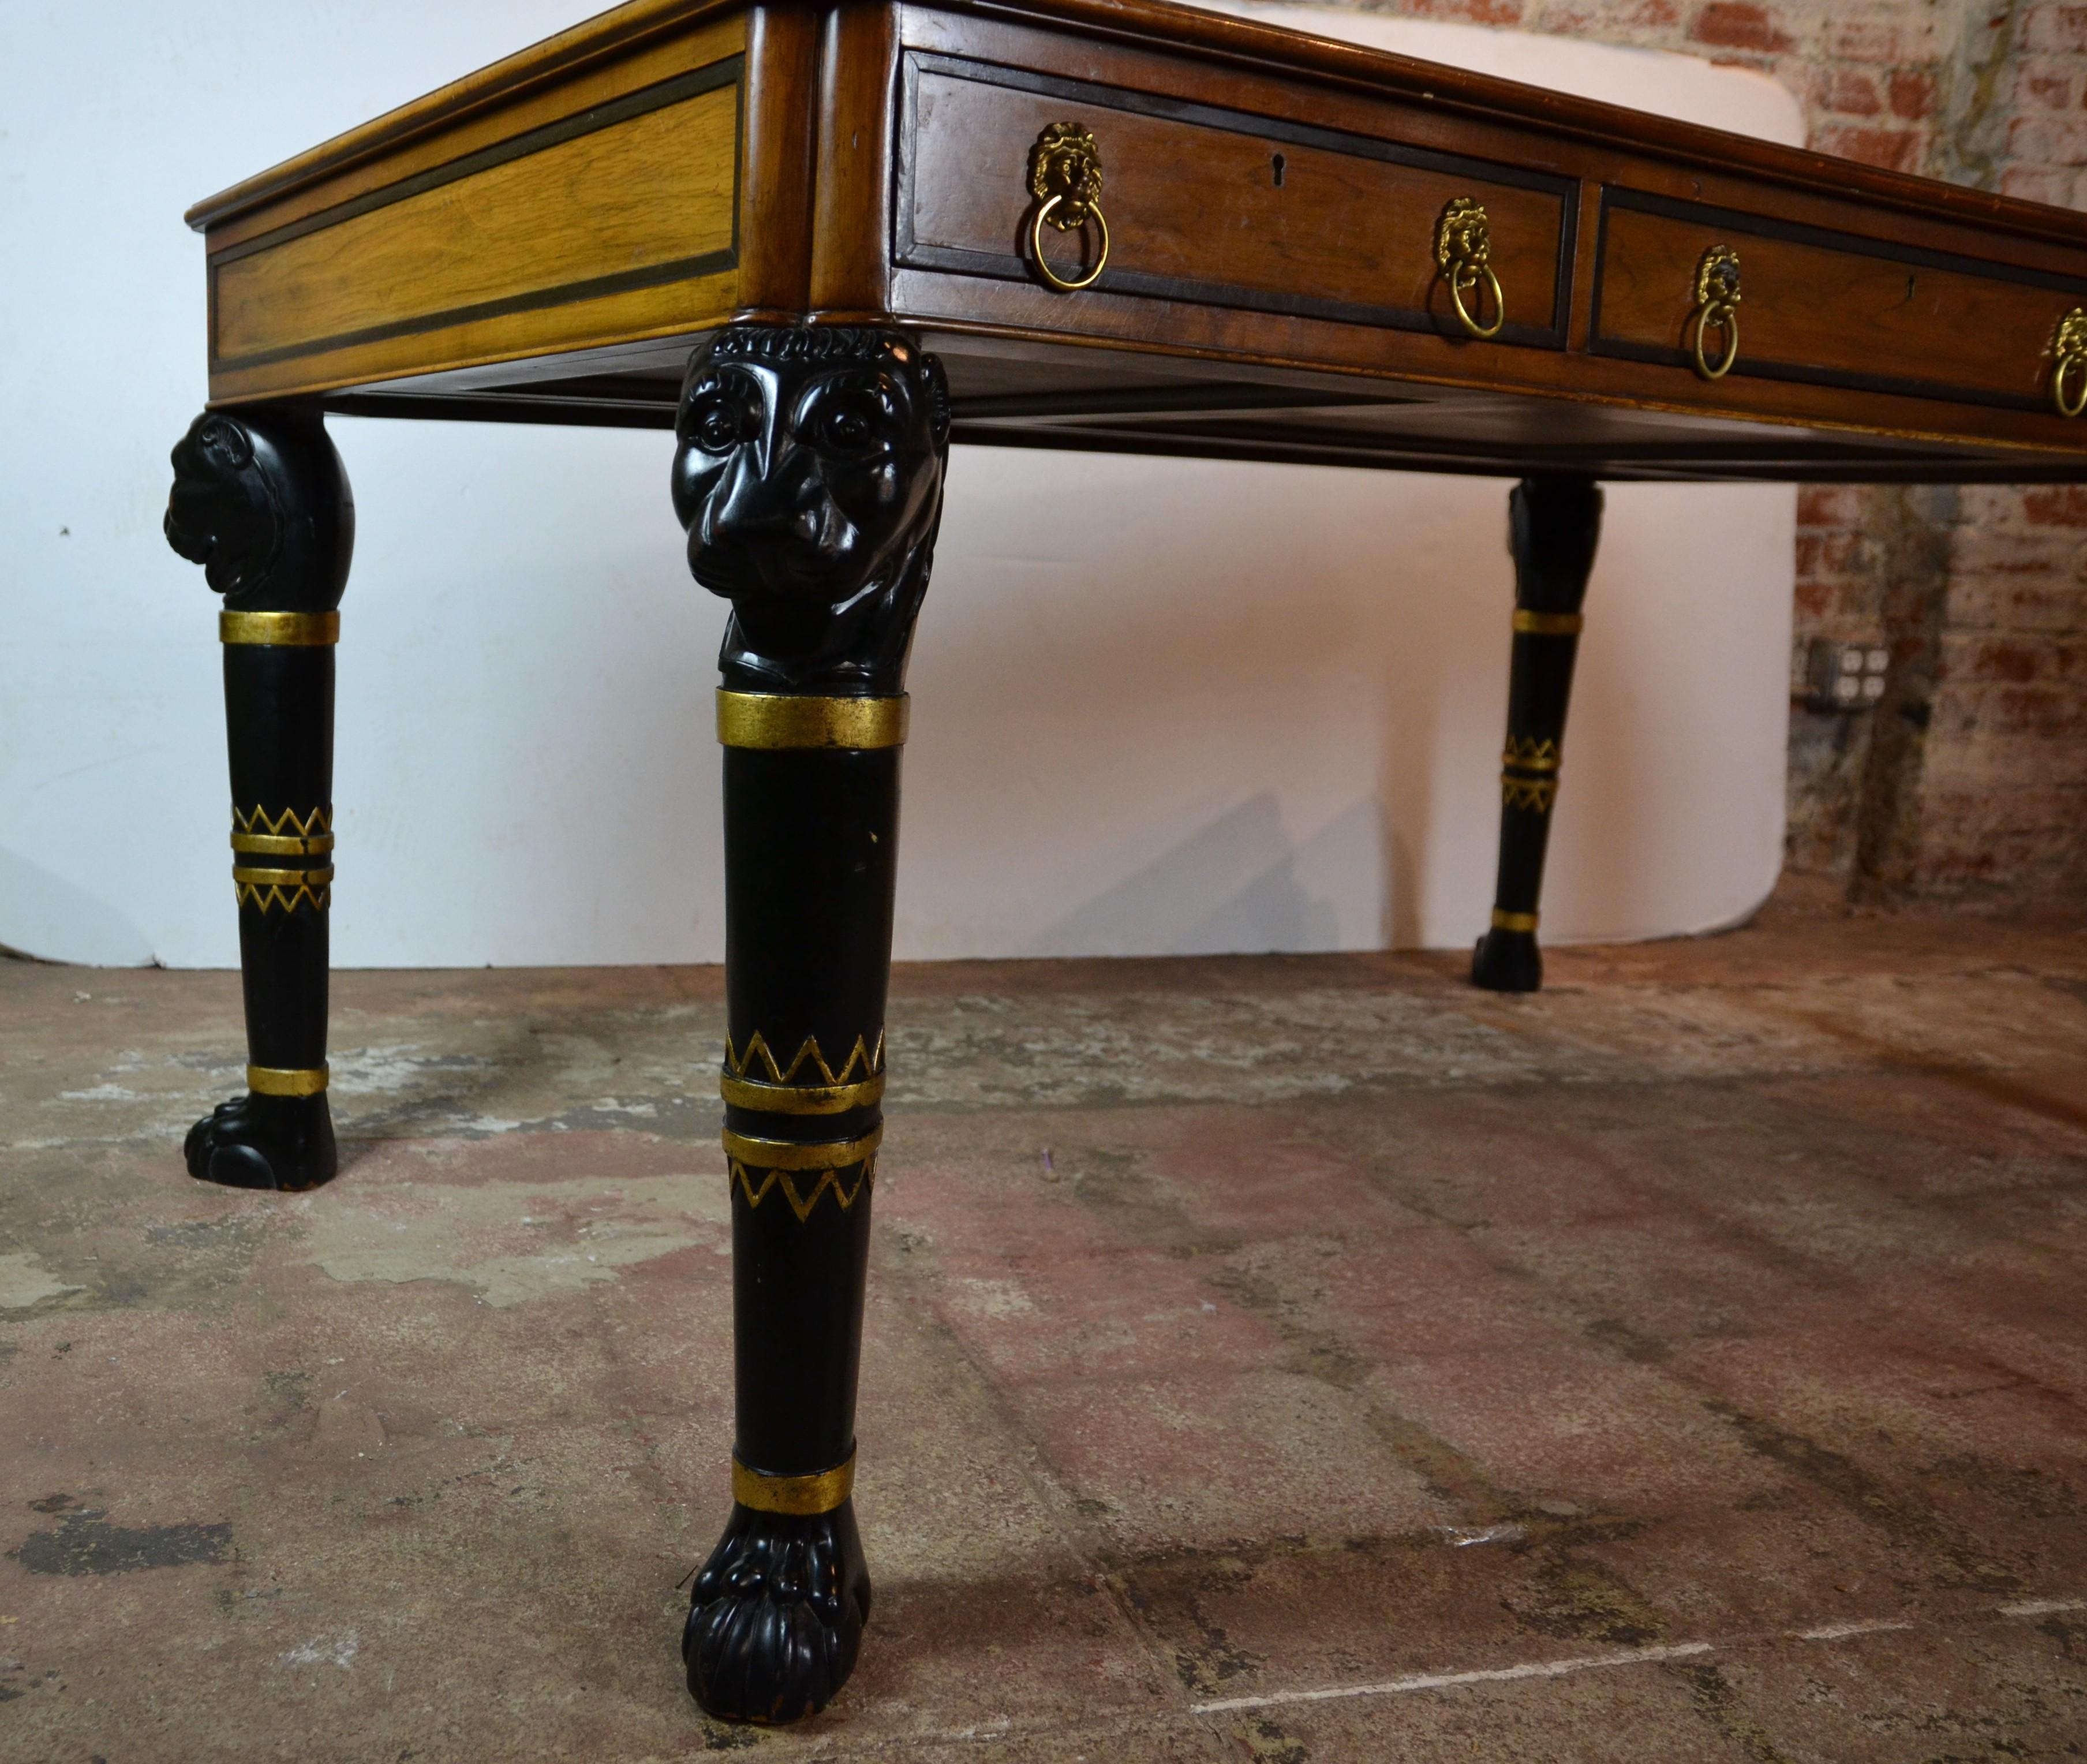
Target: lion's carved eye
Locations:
point(714, 425)
point(848, 425)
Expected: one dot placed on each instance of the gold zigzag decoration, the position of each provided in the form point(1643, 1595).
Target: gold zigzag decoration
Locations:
point(265, 896)
point(1531, 754)
point(802, 1205)
point(257, 819)
point(1526, 753)
point(1535, 794)
point(742, 1064)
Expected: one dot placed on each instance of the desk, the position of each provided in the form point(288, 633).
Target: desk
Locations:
point(819, 242)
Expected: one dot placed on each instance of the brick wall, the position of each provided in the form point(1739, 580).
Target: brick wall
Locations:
point(1970, 780)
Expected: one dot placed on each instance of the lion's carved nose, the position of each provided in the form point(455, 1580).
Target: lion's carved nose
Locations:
point(789, 501)
point(755, 501)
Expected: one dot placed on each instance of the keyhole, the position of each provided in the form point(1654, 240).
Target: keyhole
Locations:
point(1275, 165)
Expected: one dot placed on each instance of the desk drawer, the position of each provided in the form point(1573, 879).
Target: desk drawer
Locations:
point(1828, 309)
point(1218, 207)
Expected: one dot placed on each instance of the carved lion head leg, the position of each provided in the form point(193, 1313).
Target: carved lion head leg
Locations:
point(260, 502)
point(809, 477)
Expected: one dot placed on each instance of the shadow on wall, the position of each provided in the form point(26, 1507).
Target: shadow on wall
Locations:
point(1261, 708)
point(51, 919)
point(1241, 883)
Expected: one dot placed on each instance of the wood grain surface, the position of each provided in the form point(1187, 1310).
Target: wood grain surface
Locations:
point(446, 139)
point(656, 190)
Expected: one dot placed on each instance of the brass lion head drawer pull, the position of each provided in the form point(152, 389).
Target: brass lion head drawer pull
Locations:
point(1717, 309)
point(2069, 365)
point(1462, 245)
point(1066, 178)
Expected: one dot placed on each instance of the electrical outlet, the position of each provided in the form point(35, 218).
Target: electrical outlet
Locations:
point(1843, 675)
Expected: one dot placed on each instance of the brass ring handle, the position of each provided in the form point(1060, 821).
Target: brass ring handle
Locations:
point(1717, 315)
point(1717, 309)
point(1043, 263)
point(1463, 246)
point(1066, 178)
point(1464, 275)
point(2069, 407)
point(2069, 351)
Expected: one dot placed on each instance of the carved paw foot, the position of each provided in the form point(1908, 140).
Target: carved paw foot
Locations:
point(264, 1142)
point(1508, 962)
point(776, 1616)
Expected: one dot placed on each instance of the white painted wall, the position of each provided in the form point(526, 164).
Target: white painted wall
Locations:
point(1232, 708)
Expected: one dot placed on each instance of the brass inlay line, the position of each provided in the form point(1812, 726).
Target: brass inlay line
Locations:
point(1548, 624)
point(286, 1081)
point(1534, 794)
point(800, 1099)
point(738, 1064)
point(1513, 922)
point(299, 630)
point(801, 1497)
point(792, 1155)
point(282, 879)
point(282, 844)
point(768, 720)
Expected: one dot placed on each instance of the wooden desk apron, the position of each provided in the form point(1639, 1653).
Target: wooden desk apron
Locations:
point(1278, 238)
point(821, 241)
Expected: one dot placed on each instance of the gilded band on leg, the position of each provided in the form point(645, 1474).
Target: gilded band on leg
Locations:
point(1513, 922)
point(801, 1099)
point(801, 1497)
point(290, 631)
point(791, 1154)
point(277, 1081)
point(248, 876)
point(771, 719)
point(282, 844)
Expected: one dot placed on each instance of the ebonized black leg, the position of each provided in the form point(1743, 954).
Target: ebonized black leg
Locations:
point(260, 500)
point(808, 475)
point(1553, 526)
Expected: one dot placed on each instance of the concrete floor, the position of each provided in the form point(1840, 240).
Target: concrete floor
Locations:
point(1277, 1358)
